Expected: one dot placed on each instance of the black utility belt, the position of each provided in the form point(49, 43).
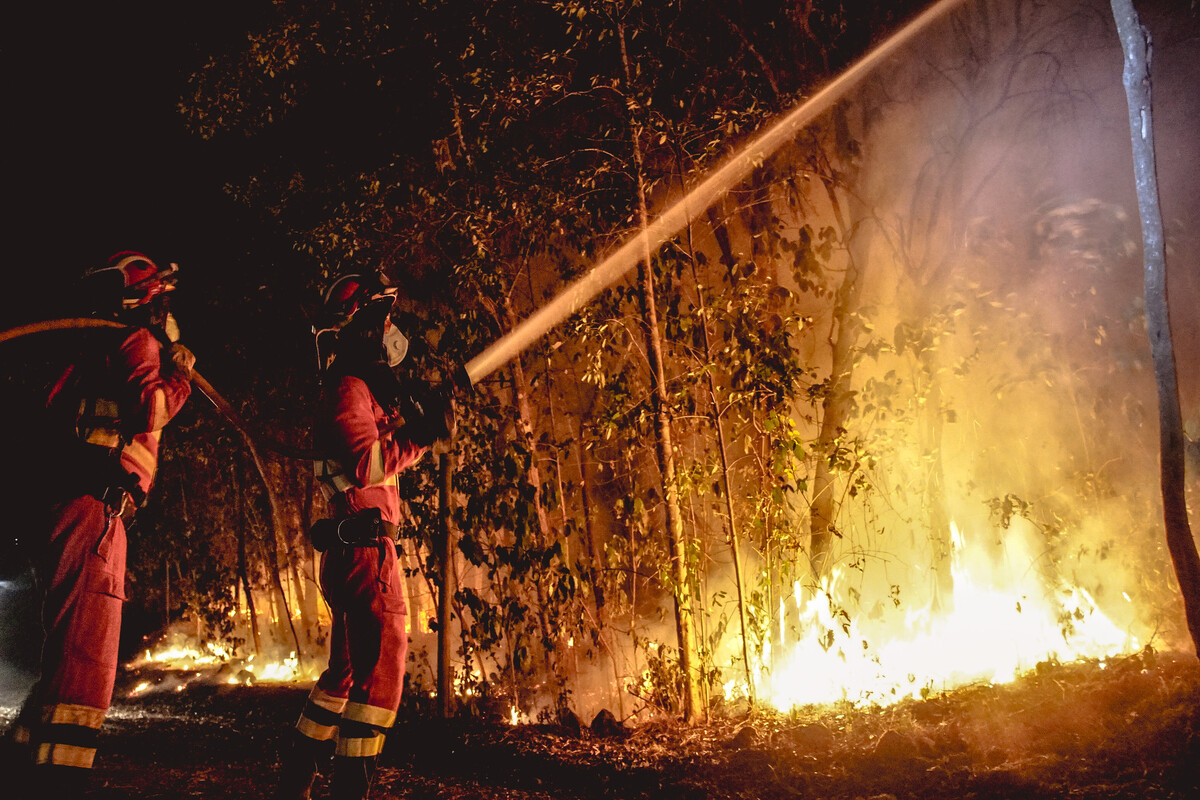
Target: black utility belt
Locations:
point(103, 477)
point(119, 502)
point(363, 529)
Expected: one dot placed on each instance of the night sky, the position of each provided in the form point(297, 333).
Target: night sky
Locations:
point(97, 158)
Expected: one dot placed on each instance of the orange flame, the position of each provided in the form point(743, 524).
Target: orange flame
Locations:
point(1003, 623)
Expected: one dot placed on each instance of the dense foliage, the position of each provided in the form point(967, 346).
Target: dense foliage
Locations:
point(827, 325)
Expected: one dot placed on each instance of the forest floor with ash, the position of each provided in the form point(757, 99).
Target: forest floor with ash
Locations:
point(1126, 729)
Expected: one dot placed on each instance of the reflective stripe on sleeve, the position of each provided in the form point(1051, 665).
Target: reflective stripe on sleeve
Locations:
point(142, 456)
point(158, 411)
point(375, 473)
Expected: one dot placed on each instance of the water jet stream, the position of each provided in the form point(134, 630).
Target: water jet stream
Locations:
point(676, 218)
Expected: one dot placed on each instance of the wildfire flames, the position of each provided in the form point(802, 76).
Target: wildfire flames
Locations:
point(1005, 617)
point(1005, 620)
point(187, 664)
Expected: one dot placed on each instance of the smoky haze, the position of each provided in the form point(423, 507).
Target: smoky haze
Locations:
point(1002, 455)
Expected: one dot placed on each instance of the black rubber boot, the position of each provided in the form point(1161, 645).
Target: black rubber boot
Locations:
point(301, 763)
point(52, 780)
point(16, 767)
point(352, 777)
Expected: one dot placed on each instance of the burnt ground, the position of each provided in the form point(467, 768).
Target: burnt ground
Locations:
point(1128, 729)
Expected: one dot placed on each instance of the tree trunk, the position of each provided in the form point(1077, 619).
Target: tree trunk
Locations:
point(1135, 42)
point(304, 600)
point(844, 334)
point(565, 536)
point(446, 595)
point(306, 586)
point(688, 660)
point(309, 567)
point(726, 485)
point(505, 318)
point(534, 478)
point(244, 574)
point(166, 593)
point(594, 560)
point(596, 568)
point(277, 530)
point(934, 490)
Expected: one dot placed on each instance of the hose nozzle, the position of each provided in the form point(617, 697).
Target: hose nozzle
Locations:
point(462, 379)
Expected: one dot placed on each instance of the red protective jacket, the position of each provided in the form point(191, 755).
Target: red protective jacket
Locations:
point(124, 397)
point(361, 467)
point(356, 697)
point(114, 396)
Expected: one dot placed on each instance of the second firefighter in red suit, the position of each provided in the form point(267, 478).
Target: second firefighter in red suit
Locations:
point(356, 699)
point(106, 414)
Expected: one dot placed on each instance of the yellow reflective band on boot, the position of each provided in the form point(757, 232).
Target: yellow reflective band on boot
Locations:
point(66, 755)
point(315, 730)
point(360, 748)
point(321, 716)
point(374, 716)
point(326, 700)
point(68, 714)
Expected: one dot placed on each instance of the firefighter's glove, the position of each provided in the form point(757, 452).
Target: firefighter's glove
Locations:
point(361, 530)
point(182, 360)
point(435, 423)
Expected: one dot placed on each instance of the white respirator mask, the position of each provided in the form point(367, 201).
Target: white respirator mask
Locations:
point(171, 328)
point(395, 345)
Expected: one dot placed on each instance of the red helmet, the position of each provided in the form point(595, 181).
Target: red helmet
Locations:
point(142, 279)
point(346, 297)
point(350, 293)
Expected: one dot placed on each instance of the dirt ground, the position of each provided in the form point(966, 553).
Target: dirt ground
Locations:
point(1126, 729)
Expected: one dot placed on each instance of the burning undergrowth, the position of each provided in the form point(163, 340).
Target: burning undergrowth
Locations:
point(1127, 727)
point(177, 662)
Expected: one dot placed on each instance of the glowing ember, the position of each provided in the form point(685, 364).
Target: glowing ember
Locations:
point(1000, 626)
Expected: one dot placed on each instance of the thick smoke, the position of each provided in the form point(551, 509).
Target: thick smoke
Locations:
point(1014, 393)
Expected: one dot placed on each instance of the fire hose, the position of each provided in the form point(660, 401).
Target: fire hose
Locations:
point(220, 403)
point(460, 379)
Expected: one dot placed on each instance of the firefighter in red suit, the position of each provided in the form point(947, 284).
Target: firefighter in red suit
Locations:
point(108, 411)
point(355, 700)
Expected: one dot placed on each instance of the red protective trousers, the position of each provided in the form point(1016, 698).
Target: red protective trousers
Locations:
point(84, 570)
point(357, 696)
